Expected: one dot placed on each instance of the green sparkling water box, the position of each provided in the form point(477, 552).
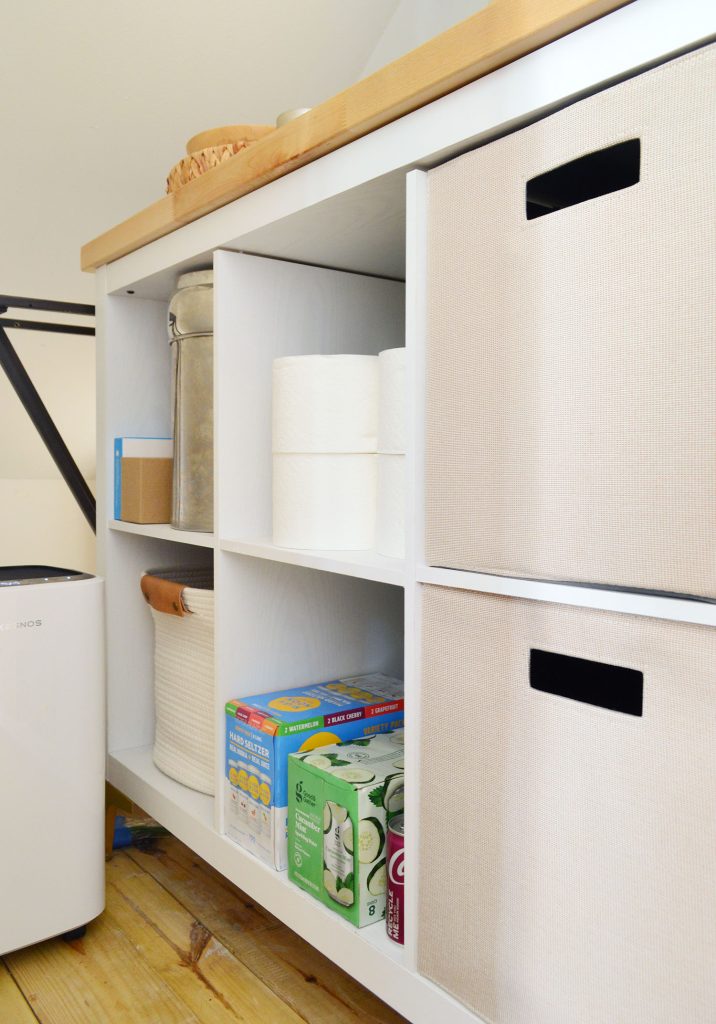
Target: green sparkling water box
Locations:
point(340, 799)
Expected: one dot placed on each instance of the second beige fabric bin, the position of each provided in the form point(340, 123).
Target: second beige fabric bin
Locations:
point(571, 390)
point(567, 850)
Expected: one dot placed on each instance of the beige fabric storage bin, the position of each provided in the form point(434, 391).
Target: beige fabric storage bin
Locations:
point(182, 606)
point(567, 851)
point(571, 418)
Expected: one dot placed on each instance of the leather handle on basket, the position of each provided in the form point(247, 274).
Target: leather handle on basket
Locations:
point(164, 595)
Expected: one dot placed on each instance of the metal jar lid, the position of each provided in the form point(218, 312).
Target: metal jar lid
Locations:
point(290, 115)
point(196, 279)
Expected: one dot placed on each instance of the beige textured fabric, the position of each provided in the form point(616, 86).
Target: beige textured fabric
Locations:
point(184, 683)
point(571, 393)
point(567, 852)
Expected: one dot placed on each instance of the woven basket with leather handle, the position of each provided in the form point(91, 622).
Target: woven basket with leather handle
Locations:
point(181, 601)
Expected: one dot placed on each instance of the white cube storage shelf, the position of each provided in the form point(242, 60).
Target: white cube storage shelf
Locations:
point(314, 262)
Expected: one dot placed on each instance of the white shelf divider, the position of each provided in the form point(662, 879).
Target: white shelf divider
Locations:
point(365, 565)
point(134, 773)
point(163, 531)
point(657, 606)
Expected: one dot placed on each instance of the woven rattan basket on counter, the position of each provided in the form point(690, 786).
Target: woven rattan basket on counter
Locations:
point(211, 148)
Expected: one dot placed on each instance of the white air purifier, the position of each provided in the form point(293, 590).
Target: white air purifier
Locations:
point(52, 753)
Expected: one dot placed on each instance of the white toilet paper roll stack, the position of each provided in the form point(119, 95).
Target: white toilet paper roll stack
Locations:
point(392, 433)
point(390, 518)
point(325, 427)
point(392, 418)
point(325, 404)
point(324, 501)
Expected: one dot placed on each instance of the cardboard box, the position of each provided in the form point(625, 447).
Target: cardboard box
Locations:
point(146, 490)
point(137, 448)
point(262, 731)
point(340, 801)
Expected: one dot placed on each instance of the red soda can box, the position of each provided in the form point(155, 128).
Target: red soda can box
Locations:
point(394, 909)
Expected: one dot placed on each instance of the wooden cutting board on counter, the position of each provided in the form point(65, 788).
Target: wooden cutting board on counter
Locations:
point(500, 33)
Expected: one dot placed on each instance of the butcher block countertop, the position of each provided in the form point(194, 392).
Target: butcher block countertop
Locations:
point(500, 33)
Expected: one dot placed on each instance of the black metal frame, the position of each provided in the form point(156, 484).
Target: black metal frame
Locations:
point(28, 395)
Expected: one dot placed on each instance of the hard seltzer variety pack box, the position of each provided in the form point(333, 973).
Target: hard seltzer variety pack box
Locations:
point(262, 731)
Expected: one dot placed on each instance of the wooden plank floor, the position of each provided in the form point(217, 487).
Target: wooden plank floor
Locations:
point(179, 944)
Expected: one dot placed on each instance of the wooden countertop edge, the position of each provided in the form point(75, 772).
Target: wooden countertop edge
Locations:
point(500, 33)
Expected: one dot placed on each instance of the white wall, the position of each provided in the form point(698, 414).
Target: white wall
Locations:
point(413, 23)
point(40, 523)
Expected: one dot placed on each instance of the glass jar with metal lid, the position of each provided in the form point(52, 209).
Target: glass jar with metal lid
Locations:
point(191, 309)
point(191, 321)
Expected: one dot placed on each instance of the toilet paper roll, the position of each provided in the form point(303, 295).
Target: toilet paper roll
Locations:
point(324, 502)
point(325, 403)
point(390, 517)
point(392, 425)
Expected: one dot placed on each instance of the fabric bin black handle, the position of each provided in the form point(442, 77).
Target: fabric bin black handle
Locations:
point(591, 682)
point(594, 174)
